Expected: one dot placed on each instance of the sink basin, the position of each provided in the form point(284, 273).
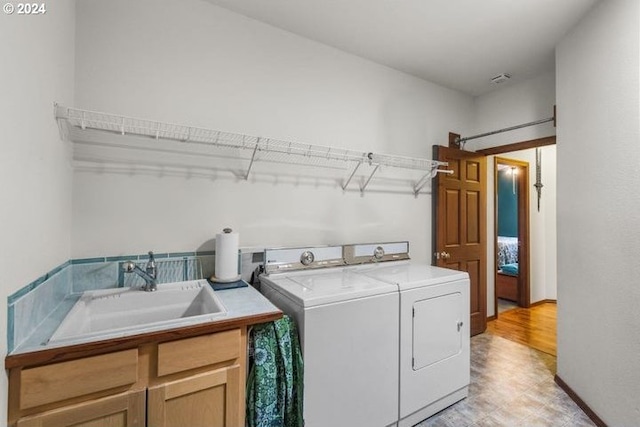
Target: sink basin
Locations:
point(118, 312)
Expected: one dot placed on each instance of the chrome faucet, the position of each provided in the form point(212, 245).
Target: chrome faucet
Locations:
point(149, 276)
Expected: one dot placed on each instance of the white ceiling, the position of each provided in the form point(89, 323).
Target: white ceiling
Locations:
point(459, 44)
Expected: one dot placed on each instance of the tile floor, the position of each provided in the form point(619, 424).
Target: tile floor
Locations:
point(511, 385)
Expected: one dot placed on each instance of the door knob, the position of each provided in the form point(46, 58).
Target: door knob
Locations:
point(445, 255)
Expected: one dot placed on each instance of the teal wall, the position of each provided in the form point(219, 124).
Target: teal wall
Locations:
point(507, 205)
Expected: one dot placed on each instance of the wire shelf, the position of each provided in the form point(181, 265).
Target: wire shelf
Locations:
point(246, 147)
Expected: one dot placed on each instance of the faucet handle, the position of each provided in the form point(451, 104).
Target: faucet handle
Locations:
point(128, 266)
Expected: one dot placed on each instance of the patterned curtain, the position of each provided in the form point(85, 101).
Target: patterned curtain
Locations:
point(275, 383)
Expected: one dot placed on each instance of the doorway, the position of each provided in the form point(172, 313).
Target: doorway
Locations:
point(511, 219)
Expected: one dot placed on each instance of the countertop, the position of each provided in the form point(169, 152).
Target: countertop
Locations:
point(245, 306)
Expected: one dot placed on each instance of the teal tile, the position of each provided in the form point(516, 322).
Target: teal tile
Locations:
point(87, 260)
point(121, 258)
point(89, 277)
point(19, 293)
point(181, 254)
point(59, 268)
point(33, 285)
point(120, 276)
point(145, 257)
point(205, 253)
point(10, 331)
point(39, 281)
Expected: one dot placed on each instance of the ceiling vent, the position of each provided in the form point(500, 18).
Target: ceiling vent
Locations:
point(500, 78)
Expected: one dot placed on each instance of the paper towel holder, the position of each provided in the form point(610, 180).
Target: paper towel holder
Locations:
point(215, 279)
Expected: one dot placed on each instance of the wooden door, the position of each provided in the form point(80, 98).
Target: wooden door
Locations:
point(207, 399)
point(460, 224)
point(121, 410)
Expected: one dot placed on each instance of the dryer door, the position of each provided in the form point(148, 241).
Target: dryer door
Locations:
point(434, 349)
point(437, 324)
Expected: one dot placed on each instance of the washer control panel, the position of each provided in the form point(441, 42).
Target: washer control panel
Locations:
point(307, 257)
point(291, 259)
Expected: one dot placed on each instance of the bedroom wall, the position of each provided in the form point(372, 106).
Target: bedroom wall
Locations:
point(35, 213)
point(516, 104)
point(507, 204)
point(598, 201)
point(197, 64)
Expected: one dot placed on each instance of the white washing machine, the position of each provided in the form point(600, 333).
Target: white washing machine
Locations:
point(434, 330)
point(349, 332)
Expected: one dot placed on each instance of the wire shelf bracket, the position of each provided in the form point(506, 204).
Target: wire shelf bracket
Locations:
point(431, 174)
point(366, 184)
point(355, 169)
point(253, 158)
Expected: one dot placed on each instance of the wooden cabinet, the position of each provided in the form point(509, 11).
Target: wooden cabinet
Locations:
point(121, 410)
point(211, 397)
point(507, 287)
point(66, 380)
point(196, 381)
point(207, 399)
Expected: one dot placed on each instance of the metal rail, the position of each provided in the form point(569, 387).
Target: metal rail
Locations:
point(462, 141)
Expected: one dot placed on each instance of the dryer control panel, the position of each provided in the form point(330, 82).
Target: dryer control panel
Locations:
point(375, 252)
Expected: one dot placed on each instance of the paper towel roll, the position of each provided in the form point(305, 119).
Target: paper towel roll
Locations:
point(227, 256)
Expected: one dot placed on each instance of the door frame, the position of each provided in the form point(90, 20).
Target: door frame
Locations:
point(524, 285)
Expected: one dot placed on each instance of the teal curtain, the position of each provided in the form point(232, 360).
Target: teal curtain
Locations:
point(275, 383)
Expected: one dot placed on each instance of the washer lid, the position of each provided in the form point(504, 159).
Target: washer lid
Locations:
point(409, 275)
point(328, 286)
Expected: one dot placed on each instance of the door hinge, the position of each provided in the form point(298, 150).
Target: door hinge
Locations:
point(413, 312)
point(413, 362)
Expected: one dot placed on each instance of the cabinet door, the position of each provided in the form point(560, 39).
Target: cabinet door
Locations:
point(208, 399)
point(121, 410)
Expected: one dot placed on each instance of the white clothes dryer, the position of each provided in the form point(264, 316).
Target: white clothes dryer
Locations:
point(434, 333)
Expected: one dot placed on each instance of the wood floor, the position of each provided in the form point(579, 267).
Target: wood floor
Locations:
point(534, 327)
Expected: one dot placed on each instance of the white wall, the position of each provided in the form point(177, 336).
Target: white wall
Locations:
point(597, 67)
point(525, 102)
point(521, 103)
point(35, 214)
point(542, 226)
point(194, 63)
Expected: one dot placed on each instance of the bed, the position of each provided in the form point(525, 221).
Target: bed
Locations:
point(507, 277)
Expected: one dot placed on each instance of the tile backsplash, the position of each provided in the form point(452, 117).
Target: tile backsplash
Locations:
point(31, 305)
